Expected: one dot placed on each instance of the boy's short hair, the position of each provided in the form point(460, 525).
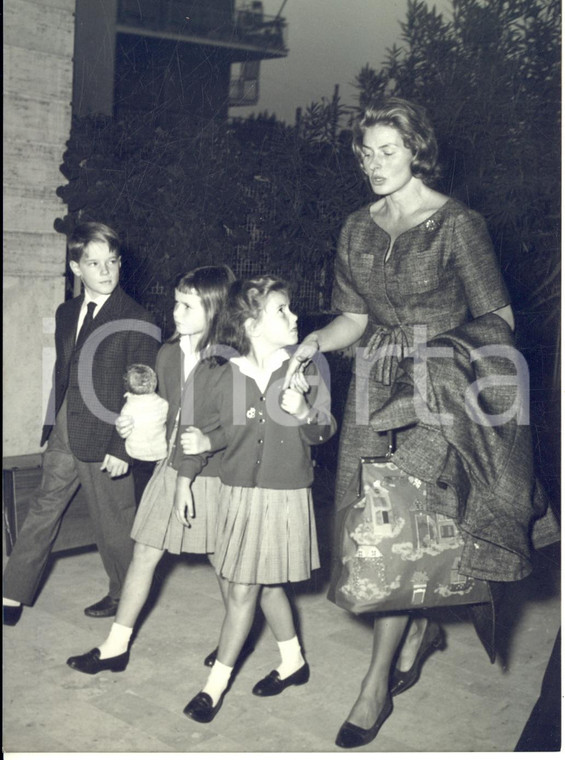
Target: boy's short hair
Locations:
point(140, 379)
point(91, 232)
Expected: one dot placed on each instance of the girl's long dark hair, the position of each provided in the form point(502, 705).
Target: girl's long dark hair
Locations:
point(211, 285)
point(246, 299)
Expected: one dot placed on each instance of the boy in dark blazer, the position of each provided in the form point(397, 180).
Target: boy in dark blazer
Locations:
point(97, 336)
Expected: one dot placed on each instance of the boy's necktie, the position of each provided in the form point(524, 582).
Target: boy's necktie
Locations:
point(87, 323)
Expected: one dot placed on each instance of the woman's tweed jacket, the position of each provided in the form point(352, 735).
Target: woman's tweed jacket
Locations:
point(481, 475)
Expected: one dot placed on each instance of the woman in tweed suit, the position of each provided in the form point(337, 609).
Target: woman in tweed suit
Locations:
point(413, 257)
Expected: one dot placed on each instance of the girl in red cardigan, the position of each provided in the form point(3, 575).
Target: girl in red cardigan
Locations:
point(266, 534)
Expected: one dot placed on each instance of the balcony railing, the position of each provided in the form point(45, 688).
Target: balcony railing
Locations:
point(246, 26)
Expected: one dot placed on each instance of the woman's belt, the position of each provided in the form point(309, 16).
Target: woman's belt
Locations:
point(386, 347)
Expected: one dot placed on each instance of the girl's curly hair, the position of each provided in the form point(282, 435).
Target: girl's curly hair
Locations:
point(246, 299)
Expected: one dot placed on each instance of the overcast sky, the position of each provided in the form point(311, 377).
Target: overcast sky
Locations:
point(329, 42)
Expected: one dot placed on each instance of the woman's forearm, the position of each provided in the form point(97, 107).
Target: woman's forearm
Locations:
point(341, 332)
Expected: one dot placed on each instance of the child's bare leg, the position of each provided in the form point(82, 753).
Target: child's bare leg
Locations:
point(223, 583)
point(241, 606)
point(278, 613)
point(137, 585)
point(240, 611)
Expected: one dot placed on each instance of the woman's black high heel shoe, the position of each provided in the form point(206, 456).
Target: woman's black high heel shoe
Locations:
point(433, 638)
point(350, 735)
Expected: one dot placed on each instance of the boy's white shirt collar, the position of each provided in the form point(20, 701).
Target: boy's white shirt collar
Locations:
point(261, 376)
point(99, 301)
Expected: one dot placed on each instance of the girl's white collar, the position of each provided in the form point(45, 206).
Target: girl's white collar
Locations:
point(261, 376)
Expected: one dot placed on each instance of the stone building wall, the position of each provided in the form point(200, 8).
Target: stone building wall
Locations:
point(38, 60)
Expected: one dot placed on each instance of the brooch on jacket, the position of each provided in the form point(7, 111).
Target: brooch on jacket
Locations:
point(250, 413)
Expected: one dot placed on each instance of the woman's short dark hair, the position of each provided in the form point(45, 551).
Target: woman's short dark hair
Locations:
point(246, 299)
point(415, 128)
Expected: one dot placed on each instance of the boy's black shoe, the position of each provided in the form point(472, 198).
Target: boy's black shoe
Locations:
point(106, 607)
point(11, 614)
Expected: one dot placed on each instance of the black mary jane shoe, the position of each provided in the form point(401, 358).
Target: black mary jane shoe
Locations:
point(91, 663)
point(273, 684)
point(11, 614)
point(201, 709)
point(350, 735)
point(210, 659)
point(433, 638)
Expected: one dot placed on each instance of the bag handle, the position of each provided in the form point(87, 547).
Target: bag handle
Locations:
point(173, 438)
point(391, 437)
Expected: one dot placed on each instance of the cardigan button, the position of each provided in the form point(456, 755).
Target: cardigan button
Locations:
point(262, 398)
point(260, 441)
point(258, 461)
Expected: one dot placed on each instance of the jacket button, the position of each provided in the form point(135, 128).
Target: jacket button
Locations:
point(260, 441)
point(261, 422)
point(261, 398)
point(258, 461)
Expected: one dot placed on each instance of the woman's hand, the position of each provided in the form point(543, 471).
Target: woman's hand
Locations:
point(303, 354)
point(124, 425)
point(183, 503)
point(342, 332)
point(193, 441)
point(299, 383)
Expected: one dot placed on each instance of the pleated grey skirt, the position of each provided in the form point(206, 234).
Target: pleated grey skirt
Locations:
point(265, 535)
point(157, 525)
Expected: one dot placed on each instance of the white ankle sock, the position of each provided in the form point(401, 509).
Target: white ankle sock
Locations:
point(217, 681)
point(10, 602)
point(291, 657)
point(117, 641)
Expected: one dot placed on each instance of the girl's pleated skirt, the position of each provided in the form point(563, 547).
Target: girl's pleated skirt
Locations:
point(265, 536)
point(157, 525)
